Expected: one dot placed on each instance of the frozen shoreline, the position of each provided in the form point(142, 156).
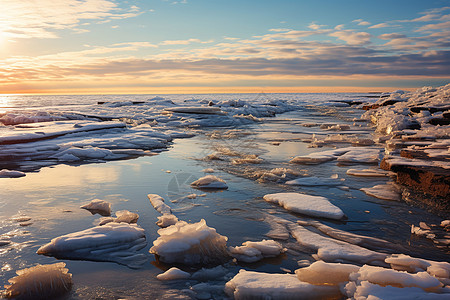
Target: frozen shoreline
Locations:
point(325, 242)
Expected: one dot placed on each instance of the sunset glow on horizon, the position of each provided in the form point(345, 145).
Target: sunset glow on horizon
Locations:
point(160, 46)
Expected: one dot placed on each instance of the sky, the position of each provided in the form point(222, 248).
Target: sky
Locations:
point(194, 46)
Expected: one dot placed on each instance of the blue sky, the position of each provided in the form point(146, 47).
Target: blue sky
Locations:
point(147, 45)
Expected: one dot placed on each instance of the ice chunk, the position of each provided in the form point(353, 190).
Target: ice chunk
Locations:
point(126, 216)
point(369, 173)
point(210, 182)
point(173, 274)
point(247, 159)
point(277, 174)
point(98, 206)
point(245, 254)
point(253, 251)
point(11, 174)
point(383, 276)
point(190, 244)
point(166, 220)
point(384, 191)
point(40, 282)
point(256, 285)
point(315, 206)
point(332, 250)
point(208, 170)
point(210, 274)
point(322, 273)
point(158, 203)
point(404, 262)
point(367, 290)
point(115, 242)
point(314, 181)
point(320, 157)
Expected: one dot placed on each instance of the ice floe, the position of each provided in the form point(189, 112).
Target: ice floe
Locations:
point(158, 203)
point(257, 285)
point(40, 282)
point(320, 157)
point(314, 181)
point(384, 191)
point(322, 273)
point(315, 206)
point(190, 244)
point(210, 182)
point(332, 250)
point(361, 155)
point(383, 276)
point(98, 206)
point(114, 242)
point(253, 251)
point(352, 238)
point(367, 290)
point(402, 262)
point(369, 173)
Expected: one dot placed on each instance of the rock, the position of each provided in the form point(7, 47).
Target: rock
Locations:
point(429, 186)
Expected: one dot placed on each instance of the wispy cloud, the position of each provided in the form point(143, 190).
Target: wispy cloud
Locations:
point(42, 19)
point(352, 37)
point(276, 55)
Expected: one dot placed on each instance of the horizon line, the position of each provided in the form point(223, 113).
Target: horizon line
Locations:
point(208, 90)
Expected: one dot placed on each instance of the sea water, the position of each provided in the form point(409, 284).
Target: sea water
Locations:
point(51, 195)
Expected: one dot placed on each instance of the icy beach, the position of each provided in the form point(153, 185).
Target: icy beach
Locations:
point(244, 196)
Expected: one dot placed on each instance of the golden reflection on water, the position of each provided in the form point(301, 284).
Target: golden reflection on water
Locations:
point(66, 177)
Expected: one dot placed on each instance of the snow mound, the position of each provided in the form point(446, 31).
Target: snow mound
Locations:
point(315, 206)
point(210, 182)
point(98, 206)
point(190, 244)
point(173, 274)
point(114, 242)
point(256, 285)
point(40, 282)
